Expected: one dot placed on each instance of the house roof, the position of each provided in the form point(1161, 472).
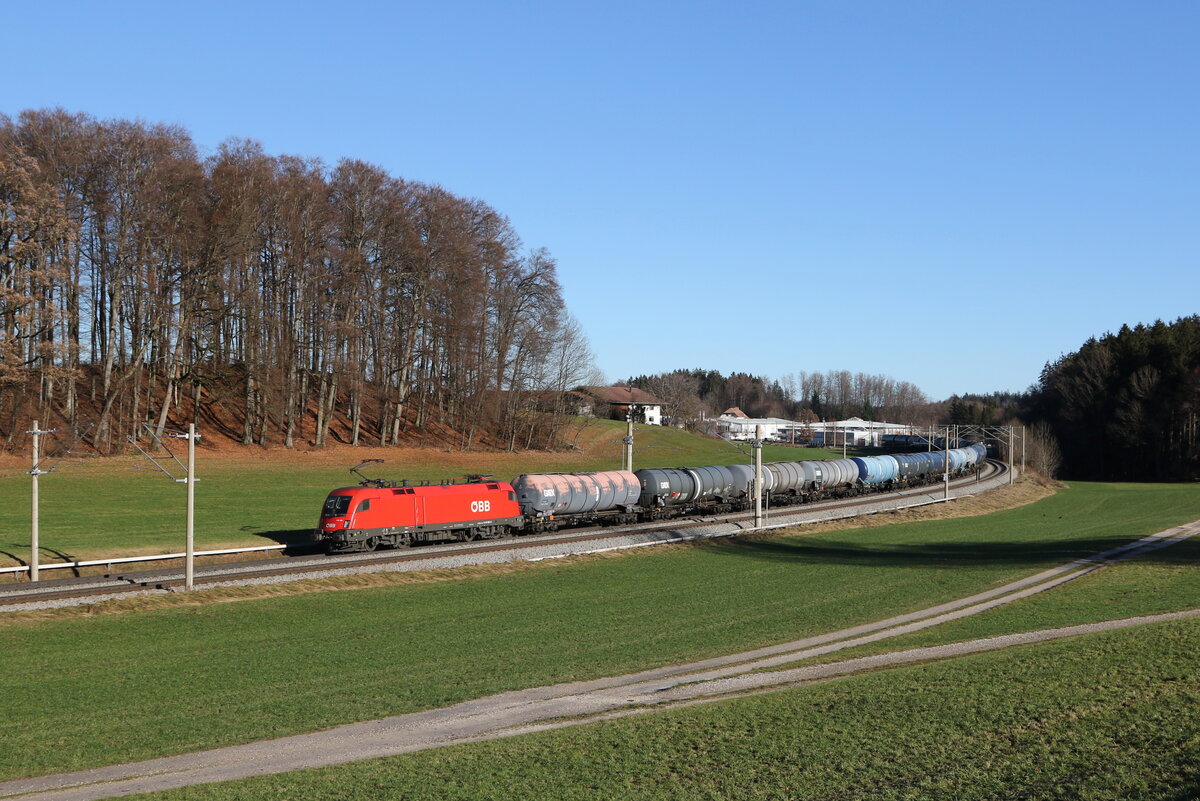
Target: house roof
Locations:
point(631, 396)
point(734, 411)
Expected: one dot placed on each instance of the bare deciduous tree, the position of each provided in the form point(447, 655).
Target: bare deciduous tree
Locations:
point(301, 297)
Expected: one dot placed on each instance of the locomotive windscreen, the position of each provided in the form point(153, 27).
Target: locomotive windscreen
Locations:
point(336, 506)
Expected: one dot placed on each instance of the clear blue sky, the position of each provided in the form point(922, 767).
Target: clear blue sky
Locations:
point(950, 193)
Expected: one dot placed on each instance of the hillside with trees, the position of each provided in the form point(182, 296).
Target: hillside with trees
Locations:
point(141, 283)
point(1126, 406)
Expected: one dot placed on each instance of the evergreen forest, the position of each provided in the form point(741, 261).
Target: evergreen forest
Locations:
point(1126, 406)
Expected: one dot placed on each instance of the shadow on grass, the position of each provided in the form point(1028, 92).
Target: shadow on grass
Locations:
point(946, 554)
point(59, 556)
point(1189, 790)
point(21, 562)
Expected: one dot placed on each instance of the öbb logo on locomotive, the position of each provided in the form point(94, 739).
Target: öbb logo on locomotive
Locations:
point(378, 513)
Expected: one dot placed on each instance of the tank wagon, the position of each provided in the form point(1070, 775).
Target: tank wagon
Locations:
point(549, 500)
point(714, 488)
point(377, 513)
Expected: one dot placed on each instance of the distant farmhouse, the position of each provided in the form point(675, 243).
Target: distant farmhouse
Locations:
point(617, 402)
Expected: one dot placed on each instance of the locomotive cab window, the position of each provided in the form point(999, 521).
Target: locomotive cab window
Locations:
point(364, 506)
point(336, 506)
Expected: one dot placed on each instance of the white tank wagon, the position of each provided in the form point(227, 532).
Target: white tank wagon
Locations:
point(551, 500)
point(841, 476)
point(795, 482)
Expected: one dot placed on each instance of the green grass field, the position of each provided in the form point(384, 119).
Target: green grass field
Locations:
point(1164, 583)
point(181, 679)
point(1107, 716)
point(106, 507)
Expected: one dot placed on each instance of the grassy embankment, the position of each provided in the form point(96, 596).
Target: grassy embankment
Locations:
point(83, 692)
point(105, 508)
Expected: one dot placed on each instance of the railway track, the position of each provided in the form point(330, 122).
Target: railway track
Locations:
point(88, 589)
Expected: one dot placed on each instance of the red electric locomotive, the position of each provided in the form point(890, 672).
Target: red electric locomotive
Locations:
point(378, 513)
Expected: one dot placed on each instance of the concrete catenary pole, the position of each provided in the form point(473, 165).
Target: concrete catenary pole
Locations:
point(1012, 436)
point(189, 570)
point(758, 476)
point(627, 443)
point(946, 475)
point(1022, 450)
point(34, 546)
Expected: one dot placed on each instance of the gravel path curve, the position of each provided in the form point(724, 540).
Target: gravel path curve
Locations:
point(556, 706)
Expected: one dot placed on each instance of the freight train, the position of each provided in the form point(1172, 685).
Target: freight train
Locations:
point(378, 513)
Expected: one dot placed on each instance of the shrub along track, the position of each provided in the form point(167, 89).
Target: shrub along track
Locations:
point(557, 706)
